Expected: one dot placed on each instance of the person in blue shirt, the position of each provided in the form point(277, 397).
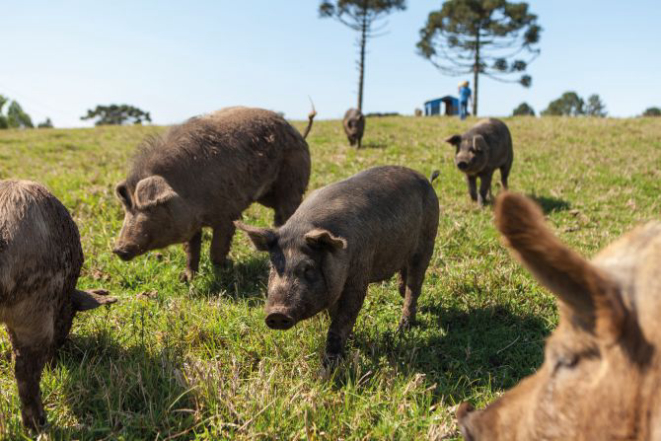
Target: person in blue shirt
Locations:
point(464, 98)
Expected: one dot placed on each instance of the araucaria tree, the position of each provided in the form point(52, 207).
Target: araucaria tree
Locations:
point(366, 18)
point(495, 38)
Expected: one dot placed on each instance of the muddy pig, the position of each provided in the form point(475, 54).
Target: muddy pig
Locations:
point(354, 126)
point(342, 238)
point(480, 151)
point(602, 365)
point(204, 173)
point(40, 261)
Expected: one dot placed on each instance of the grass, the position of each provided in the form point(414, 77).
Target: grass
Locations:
point(177, 361)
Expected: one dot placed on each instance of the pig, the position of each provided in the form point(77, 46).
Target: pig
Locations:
point(204, 173)
point(342, 238)
point(602, 366)
point(354, 126)
point(40, 261)
point(481, 150)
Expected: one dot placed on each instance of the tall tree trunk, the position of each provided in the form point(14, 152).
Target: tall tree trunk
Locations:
point(361, 64)
point(476, 70)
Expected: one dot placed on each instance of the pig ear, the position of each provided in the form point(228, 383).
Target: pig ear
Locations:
point(479, 143)
point(153, 191)
point(122, 193)
point(262, 238)
point(319, 238)
point(86, 300)
point(454, 140)
point(588, 294)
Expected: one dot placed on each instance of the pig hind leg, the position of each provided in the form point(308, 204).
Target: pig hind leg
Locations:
point(287, 192)
point(33, 346)
point(415, 276)
point(504, 174)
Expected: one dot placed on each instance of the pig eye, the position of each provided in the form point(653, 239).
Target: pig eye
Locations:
point(310, 274)
point(566, 361)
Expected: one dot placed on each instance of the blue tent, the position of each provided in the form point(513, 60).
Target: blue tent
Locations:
point(433, 107)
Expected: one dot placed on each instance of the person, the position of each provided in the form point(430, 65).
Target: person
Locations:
point(464, 98)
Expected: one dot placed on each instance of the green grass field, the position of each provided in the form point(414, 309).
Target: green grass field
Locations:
point(178, 361)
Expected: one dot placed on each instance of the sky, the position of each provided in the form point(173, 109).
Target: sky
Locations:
point(178, 59)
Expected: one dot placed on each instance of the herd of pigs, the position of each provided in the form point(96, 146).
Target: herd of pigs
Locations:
point(601, 371)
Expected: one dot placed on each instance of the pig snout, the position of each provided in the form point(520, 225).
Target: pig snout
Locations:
point(125, 252)
point(279, 319)
point(463, 165)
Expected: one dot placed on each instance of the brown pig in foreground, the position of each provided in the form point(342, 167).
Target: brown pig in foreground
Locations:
point(354, 126)
point(204, 173)
point(40, 261)
point(487, 146)
point(343, 237)
point(602, 368)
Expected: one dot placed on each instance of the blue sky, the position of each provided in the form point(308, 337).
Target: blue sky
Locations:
point(179, 59)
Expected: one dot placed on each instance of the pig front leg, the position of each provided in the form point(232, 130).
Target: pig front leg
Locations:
point(343, 318)
point(221, 243)
point(472, 186)
point(485, 188)
point(192, 248)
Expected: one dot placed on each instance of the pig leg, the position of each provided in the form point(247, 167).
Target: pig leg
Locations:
point(32, 349)
point(402, 282)
point(192, 248)
point(343, 316)
point(504, 173)
point(472, 186)
point(415, 275)
point(485, 188)
point(221, 243)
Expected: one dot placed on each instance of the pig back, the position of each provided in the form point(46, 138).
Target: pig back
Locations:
point(224, 161)
point(40, 251)
point(385, 213)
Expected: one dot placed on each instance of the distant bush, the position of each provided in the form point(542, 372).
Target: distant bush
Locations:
point(595, 106)
point(523, 110)
point(417, 112)
point(48, 124)
point(652, 111)
point(570, 104)
point(381, 114)
point(115, 114)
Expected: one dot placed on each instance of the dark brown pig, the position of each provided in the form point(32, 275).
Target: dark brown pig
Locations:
point(354, 126)
point(602, 366)
point(487, 146)
point(342, 238)
point(40, 261)
point(204, 173)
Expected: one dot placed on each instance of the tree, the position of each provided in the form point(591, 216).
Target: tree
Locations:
point(15, 118)
point(48, 124)
point(652, 111)
point(495, 38)
point(595, 106)
point(523, 110)
point(569, 104)
point(117, 115)
point(362, 16)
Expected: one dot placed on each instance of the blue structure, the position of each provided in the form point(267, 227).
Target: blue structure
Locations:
point(433, 107)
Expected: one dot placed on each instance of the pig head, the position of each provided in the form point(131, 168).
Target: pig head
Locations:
point(472, 153)
point(155, 216)
point(308, 271)
point(600, 376)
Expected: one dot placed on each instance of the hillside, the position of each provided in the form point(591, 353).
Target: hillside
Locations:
point(178, 361)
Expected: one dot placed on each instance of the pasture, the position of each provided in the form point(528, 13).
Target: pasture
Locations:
point(178, 361)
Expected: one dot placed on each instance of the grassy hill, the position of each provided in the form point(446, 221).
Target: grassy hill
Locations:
point(178, 361)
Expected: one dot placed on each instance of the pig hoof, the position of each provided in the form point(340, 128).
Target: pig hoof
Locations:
point(332, 361)
point(405, 324)
point(187, 276)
